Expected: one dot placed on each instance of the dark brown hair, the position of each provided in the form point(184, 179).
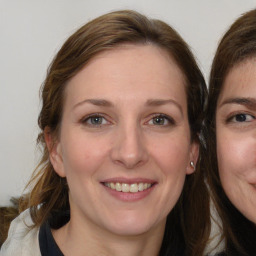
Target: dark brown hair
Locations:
point(188, 223)
point(237, 45)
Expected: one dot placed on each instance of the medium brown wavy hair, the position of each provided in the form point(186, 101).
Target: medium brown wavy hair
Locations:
point(237, 45)
point(188, 223)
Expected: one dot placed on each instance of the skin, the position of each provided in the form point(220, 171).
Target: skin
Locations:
point(126, 90)
point(236, 137)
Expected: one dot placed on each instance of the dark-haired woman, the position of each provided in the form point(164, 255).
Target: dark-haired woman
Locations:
point(231, 122)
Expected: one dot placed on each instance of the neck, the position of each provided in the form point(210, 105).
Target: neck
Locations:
point(89, 239)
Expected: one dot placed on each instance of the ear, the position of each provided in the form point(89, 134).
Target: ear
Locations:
point(193, 157)
point(55, 154)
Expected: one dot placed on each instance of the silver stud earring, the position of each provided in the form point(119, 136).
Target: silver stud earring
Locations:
point(192, 165)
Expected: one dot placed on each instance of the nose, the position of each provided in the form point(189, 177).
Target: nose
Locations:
point(129, 148)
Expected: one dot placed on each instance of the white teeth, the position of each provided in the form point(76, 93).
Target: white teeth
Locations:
point(134, 188)
point(141, 186)
point(125, 187)
point(118, 186)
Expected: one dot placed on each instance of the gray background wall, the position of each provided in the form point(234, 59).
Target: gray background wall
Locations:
point(31, 32)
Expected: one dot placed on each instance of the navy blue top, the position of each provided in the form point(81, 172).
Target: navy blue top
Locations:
point(47, 244)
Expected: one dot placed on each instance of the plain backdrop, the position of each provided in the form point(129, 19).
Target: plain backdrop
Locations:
point(32, 31)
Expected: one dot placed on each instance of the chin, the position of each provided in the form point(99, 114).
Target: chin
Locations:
point(128, 230)
point(132, 227)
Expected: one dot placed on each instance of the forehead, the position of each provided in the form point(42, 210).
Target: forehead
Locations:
point(145, 66)
point(240, 80)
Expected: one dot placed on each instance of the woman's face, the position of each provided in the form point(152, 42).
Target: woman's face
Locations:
point(236, 137)
point(124, 143)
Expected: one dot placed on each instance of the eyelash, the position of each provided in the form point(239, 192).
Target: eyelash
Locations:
point(167, 118)
point(231, 119)
point(88, 120)
point(85, 120)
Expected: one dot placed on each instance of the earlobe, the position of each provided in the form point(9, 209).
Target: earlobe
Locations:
point(194, 154)
point(55, 154)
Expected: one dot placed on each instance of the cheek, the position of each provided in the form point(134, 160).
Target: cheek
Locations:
point(83, 154)
point(172, 155)
point(236, 155)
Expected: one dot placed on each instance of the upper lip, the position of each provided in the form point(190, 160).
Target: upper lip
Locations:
point(128, 180)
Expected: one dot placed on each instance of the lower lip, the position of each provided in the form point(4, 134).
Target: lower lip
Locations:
point(129, 197)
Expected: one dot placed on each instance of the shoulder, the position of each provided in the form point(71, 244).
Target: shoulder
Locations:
point(22, 239)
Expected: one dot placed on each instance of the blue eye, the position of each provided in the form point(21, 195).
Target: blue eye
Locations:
point(240, 118)
point(95, 120)
point(161, 120)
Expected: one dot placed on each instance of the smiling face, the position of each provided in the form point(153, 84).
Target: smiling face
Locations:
point(236, 137)
point(124, 144)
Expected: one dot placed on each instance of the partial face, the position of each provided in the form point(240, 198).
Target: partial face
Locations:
point(124, 145)
point(236, 137)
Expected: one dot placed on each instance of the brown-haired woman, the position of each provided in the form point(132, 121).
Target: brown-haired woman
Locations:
point(122, 109)
point(231, 122)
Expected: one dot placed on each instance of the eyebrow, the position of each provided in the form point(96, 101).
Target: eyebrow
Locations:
point(248, 102)
point(160, 102)
point(150, 102)
point(96, 102)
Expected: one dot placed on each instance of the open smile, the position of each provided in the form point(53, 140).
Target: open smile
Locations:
point(128, 188)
